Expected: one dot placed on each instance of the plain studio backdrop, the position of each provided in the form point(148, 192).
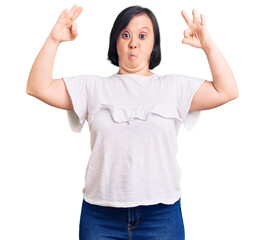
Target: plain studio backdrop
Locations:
point(43, 162)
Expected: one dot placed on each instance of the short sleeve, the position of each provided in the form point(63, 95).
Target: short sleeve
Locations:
point(186, 87)
point(78, 88)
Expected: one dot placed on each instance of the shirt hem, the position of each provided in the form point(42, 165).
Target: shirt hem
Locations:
point(132, 204)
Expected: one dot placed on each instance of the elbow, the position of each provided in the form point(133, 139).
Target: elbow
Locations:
point(229, 97)
point(28, 88)
point(29, 91)
point(236, 93)
point(234, 96)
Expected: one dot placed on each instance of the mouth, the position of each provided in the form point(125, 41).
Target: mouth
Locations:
point(132, 56)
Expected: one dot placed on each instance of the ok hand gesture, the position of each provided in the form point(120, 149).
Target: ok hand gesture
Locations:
point(197, 34)
point(65, 29)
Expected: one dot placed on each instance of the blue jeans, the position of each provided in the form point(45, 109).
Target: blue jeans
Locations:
point(144, 222)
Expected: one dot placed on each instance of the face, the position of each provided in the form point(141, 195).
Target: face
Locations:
point(136, 39)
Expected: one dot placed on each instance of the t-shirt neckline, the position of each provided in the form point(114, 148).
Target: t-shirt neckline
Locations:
point(133, 75)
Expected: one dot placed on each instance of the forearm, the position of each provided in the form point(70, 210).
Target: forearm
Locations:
point(40, 76)
point(223, 78)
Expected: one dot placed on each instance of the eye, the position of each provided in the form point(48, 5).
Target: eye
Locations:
point(125, 34)
point(143, 35)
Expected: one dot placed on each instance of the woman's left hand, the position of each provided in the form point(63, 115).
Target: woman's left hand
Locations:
point(197, 34)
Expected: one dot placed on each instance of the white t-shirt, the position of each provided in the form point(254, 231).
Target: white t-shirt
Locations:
point(134, 122)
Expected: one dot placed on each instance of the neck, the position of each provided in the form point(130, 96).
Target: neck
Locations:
point(143, 72)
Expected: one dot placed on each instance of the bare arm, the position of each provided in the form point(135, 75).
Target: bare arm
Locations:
point(224, 87)
point(40, 83)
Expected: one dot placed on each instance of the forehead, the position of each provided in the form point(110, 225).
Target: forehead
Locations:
point(140, 22)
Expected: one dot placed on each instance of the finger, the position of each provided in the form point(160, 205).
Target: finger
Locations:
point(187, 18)
point(63, 14)
point(74, 30)
point(77, 13)
point(195, 16)
point(71, 12)
point(187, 33)
point(203, 19)
point(187, 41)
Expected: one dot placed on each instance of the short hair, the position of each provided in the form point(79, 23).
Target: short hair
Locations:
point(121, 22)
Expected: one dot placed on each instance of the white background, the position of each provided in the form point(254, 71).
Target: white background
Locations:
point(43, 162)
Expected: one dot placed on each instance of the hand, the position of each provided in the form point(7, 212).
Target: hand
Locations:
point(65, 29)
point(197, 34)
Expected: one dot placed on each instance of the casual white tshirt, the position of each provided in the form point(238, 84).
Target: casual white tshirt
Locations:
point(134, 122)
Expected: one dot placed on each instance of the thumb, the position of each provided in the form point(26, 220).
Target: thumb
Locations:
point(186, 41)
point(74, 27)
point(74, 30)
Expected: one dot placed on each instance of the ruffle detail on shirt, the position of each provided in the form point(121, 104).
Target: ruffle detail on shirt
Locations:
point(129, 113)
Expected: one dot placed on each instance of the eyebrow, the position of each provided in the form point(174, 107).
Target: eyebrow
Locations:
point(139, 29)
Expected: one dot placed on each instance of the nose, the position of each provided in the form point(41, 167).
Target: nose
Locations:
point(132, 43)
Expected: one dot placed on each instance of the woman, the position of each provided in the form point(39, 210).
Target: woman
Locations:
point(132, 185)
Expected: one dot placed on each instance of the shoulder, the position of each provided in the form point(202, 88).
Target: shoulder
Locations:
point(84, 77)
point(172, 77)
point(84, 81)
point(183, 80)
point(93, 77)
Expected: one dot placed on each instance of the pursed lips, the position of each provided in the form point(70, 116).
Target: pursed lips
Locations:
point(132, 56)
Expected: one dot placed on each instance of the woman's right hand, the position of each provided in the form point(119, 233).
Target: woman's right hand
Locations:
point(65, 29)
